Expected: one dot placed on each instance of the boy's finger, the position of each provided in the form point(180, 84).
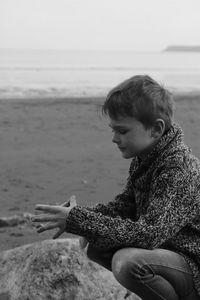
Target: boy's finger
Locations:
point(59, 233)
point(48, 226)
point(83, 242)
point(66, 204)
point(43, 218)
point(72, 200)
point(47, 208)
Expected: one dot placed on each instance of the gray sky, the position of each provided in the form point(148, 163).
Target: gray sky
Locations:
point(99, 24)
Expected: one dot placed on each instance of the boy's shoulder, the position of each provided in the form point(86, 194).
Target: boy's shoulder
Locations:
point(181, 160)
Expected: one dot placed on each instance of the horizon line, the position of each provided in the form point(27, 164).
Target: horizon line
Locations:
point(75, 49)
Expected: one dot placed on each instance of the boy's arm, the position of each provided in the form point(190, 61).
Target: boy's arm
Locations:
point(122, 206)
point(173, 203)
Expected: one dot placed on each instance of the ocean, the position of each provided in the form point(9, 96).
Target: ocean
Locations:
point(60, 73)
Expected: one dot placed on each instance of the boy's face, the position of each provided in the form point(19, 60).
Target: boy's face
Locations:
point(131, 137)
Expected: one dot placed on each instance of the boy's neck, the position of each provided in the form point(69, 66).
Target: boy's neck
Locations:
point(145, 153)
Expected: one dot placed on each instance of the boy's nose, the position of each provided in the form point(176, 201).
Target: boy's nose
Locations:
point(115, 139)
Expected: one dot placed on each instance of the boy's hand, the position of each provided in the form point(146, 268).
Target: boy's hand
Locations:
point(54, 216)
point(83, 242)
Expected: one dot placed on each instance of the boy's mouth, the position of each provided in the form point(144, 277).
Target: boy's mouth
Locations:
point(121, 148)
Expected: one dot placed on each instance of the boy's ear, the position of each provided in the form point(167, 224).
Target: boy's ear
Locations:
point(158, 128)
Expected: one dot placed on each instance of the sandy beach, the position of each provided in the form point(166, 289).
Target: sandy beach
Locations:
point(54, 148)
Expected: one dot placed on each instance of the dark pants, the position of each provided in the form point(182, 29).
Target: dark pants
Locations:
point(151, 274)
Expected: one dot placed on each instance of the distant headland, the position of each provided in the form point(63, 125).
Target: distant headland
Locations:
point(180, 48)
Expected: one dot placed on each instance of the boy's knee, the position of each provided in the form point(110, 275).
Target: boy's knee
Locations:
point(120, 263)
point(126, 263)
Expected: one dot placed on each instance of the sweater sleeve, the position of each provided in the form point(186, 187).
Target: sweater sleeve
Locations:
point(173, 202)
point(122, 206)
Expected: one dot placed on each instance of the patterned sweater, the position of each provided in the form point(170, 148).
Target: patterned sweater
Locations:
point(159, 207)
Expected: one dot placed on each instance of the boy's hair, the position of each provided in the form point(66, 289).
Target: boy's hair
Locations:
point(140, 97)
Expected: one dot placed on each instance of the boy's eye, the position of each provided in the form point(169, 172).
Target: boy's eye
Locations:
point(120, 131)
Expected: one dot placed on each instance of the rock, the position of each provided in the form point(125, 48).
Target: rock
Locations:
point(15, 220)
point(55, 269)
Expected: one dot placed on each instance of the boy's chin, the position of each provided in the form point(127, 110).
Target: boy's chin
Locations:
point(127, 155)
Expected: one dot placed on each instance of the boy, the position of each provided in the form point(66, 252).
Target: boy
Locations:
point(149, 236)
